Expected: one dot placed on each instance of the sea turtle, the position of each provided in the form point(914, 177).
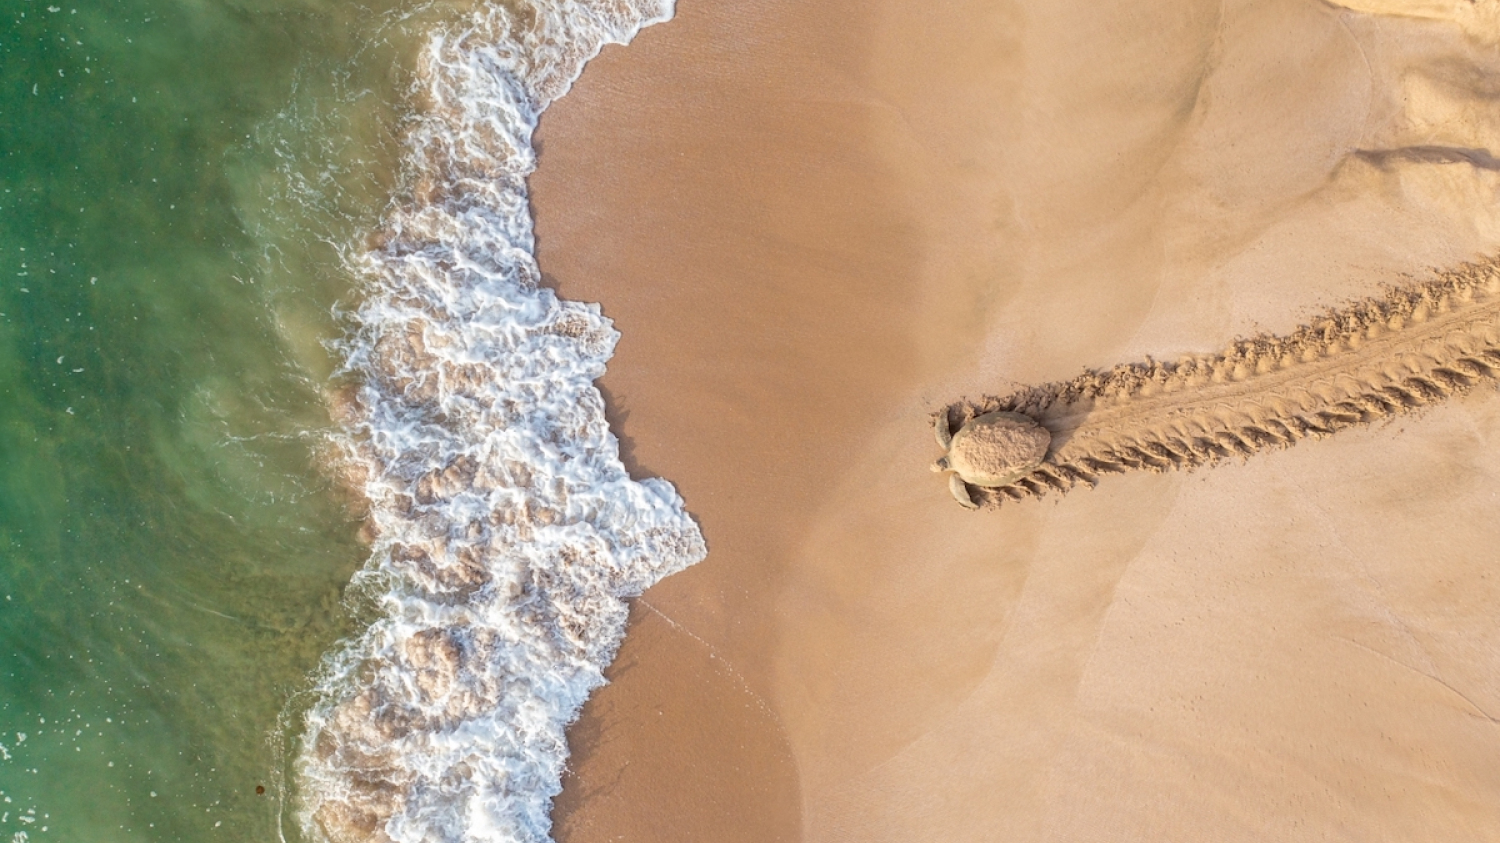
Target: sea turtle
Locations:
point(992, 450)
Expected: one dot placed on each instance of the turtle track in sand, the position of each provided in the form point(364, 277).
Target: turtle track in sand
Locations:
point(1374, 359)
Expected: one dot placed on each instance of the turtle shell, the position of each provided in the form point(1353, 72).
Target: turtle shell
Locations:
point(997, 449)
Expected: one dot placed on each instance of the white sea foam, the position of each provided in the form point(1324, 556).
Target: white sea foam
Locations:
point(508, 530)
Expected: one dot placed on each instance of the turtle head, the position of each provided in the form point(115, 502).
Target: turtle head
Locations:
point(941, 464)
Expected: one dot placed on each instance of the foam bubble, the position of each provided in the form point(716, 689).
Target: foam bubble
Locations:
point(508, 532)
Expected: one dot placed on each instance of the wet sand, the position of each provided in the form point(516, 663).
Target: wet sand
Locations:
point(816, 223)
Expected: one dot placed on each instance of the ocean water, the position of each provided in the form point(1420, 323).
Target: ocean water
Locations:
point(310, 524)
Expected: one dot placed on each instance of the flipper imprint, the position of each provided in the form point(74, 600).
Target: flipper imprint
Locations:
point(1376, 358)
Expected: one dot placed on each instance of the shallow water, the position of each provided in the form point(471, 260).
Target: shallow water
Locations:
point(171, 560)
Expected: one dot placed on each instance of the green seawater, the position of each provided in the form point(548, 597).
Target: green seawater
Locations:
point(175, 179)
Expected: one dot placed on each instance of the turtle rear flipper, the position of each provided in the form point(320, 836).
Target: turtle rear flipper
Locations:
point(960, 491)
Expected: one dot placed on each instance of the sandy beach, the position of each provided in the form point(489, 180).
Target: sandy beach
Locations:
point(814, 224)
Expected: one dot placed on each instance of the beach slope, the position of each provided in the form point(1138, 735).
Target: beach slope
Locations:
point(817, 224)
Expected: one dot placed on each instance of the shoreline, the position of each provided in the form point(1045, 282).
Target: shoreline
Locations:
point(507, 535)
point(771, 379)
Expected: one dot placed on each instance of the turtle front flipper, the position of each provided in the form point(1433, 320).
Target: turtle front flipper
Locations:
point(940, 428)
point(960, 491)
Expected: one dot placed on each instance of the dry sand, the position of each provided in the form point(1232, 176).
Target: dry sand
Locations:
point(816, 222)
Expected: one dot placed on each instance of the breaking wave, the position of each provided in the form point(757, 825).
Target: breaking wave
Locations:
point(507, 531)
